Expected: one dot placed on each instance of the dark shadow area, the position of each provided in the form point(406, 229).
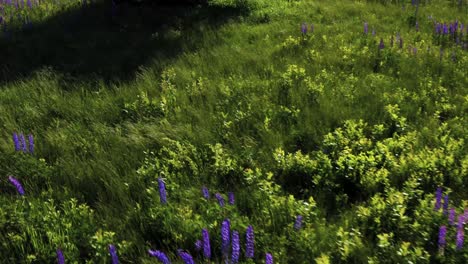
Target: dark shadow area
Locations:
point(98, 40)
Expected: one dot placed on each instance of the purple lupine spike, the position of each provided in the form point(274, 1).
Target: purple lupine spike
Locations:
point(231, 198)
point(438, 199)
point(438, 28)
point(446, 204)
point(381, 44)
point(113, 254)
point(461, 221)
point(206, 244)
point(366, 28)
point(198, 245)
point(451, 216)
point(23, 143)
point(225, 238)
point(16, 142)
point(268, 258)
point(298, 222)
point(220, 199)
point(445, 29)
point(29, 3)
point(31, 143)
point(60, 257)
point(465, 216)
point(186, 257)
point(206, 193)
point(250, 240)
point(304, 28)
point(442, 234)
point(235, 247)
point(160, 256)
point(460, 238)
point(162, 191)
point(17, 185)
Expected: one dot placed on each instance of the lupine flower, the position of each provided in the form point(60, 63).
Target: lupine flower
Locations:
point(446, 204)
point(206, 244)
point(438, 199)
point(460, 238)
point(23, 142)
point(206, 193)
point(198, 245)
point(298, 222)
point(451, 216)
point(461, 221)
point(438, 28)
point(304, 28)
point(225, 239)
point(162, 191)
point(60, 257)
point(113, 253)
point(366, 28)
point(235, 247)
point(29, 3)
point(442, 234)
point(186, 257)
point(381, 44)
point(16, 142)
point(445, 29)
point(159, 255)
point(249, 251)
point(231, 198)
point(31, 143)
point(17, 185)
point(220, 199)
point(268, 258)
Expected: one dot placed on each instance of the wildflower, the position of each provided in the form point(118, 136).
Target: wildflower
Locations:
point(451, 217)
point(381, 44)
point(461, 221)
point(460, 238)
point(225, 240)
point(162, 191)
point(366, 28)
point(438, 28)
point(23, 142)
point(31, 143)
point(113, 253)
point(206, 244)
point(60, 257)
point(442, 234)
point(304, 28)
point(198, 245)
point(235, 247)
point(298, 222)
point(16, 142)
point(438, 196)
point(206, 193)
point(445, 29)
point(231, 198)
point(220, 199)
point(29, 3)
point(159, 255)
point(268, 258)
point(446, 204)
point(17, 185)
point(186, 257)
point(249, 251)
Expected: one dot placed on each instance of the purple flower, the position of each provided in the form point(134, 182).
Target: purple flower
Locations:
point(162, 191)
point(23, 142)
point(438, 199)
point(235, 247)
point(461, 221)
point(268, 258)
point(366, 28)
point(60, 257)
point(206, 193)
point(298, 222)
point(29, 3)
point(451, 217)
point(415, 50)
point(304, 28)
point(17, 185)
point(113, 253)
point(16, 142)
point(206, 244)
point(438, 28)
point(220, 199)
point(31, 143)
point(381, 44)
point(445, 29)
point(442, 234)
point(460, 237)
point(198, 245)
point(186, 257)
point(231, 198)
point(225, 239)
point(446, 204)
point(249, 250)
point(160, 256)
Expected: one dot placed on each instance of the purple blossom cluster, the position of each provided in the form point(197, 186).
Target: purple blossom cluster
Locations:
point(459, 224)
point(17, 185)
point(160, 256)
point(451, 31)
point(20, 143)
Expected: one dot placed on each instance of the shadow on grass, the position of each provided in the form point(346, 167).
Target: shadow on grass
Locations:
point(89, 42)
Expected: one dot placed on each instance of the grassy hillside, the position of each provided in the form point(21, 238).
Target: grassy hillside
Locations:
point(335, 129)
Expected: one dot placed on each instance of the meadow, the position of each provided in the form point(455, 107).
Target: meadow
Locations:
point(236, 131)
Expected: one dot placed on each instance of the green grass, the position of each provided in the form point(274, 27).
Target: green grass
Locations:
point(234, 97)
